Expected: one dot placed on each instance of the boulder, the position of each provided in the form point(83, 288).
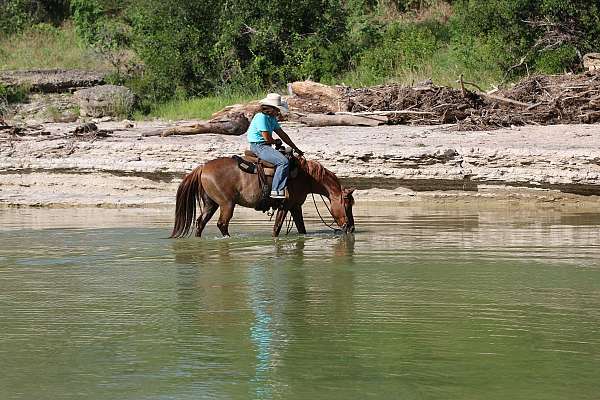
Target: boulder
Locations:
point(105, 100)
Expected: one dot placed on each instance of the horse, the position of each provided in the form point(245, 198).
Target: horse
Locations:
point(221, 184)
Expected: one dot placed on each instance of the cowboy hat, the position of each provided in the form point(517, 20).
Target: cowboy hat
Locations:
point(274, 100)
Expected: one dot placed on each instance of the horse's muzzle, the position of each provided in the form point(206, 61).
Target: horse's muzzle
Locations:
point(348, 229)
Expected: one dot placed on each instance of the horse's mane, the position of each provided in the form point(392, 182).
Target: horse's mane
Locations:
point(318, 172)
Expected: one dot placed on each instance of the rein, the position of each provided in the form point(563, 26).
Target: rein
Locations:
point(330, 226)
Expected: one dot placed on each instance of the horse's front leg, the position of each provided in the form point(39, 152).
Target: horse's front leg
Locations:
point(296, 212)
point(279, 219)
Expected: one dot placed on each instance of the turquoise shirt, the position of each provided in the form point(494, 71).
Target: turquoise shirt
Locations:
point(261, 123)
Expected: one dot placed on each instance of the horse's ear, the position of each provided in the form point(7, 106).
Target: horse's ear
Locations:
point(349, 191)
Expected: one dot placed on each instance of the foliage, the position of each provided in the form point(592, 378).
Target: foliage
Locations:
point(16, 15)
point(180, 49)
point(13, 94)
point(201, 47)
point(403, 47)
point(550, 34)
point(197, 108)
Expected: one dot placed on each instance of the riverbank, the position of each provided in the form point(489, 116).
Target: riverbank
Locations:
point(556, 166)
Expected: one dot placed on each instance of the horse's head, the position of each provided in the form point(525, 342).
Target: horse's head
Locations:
point(341, 209)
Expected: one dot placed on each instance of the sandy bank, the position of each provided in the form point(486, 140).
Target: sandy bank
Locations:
point(536, 164)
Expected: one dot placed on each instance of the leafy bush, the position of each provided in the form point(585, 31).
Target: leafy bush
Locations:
point(402, 49)
point(13, 94)
point(557, 60)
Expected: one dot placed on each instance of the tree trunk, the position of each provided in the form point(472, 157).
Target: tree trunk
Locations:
point(234, 124)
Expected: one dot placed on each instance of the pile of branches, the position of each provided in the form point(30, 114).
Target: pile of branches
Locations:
point(538, 100)
point(420, 105)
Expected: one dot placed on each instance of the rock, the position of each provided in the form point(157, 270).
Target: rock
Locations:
point(85, 128)
point(127, 124)
point(66, 116)
point(102, 119)
point(52, 80)
point(105, 100)
point(51, 107)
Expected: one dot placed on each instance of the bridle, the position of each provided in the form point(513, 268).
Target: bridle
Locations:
point(330, 226)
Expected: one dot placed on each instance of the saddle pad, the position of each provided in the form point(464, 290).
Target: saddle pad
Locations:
point(249, 166)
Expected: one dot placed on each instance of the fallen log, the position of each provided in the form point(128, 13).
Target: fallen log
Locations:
point(235, 124)
point(343, 119)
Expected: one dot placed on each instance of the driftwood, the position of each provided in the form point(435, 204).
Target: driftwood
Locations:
point(591, 61)
point(342, 120)
point(248, 110)
point(539, 100)
point(312, 97)
point(234, 124)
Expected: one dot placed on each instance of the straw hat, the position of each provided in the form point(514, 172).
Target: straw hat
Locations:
point(274, 100)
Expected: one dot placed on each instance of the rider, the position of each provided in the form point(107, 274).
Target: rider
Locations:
point(260, 136)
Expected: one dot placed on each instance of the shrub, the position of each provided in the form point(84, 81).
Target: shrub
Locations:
point(13, 94)
point(557, 60)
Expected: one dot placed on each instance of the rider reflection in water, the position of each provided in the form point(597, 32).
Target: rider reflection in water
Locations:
point(260, 136)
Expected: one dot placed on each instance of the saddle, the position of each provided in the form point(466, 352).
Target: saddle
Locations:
point(251, 164)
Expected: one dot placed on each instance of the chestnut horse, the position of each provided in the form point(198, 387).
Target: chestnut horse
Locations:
point(220, 183)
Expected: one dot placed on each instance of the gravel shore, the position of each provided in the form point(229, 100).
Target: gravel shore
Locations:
point(134, 167)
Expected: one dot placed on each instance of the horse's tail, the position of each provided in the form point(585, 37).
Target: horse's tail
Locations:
point(189, 192)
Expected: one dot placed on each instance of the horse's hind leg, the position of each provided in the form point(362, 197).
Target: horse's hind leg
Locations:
point(207, 212)
point(225, 217)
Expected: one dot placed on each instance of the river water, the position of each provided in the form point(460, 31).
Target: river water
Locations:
point(421, 303)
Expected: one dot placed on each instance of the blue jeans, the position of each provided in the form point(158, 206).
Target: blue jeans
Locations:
point(281, 162)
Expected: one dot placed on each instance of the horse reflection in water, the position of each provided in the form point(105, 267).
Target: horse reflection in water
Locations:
point(220, 184)
point(256, 297)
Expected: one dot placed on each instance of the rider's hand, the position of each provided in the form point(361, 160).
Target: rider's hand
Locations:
point(278, 143)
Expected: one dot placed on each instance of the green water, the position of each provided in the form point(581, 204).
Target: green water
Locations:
point(418, 304)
